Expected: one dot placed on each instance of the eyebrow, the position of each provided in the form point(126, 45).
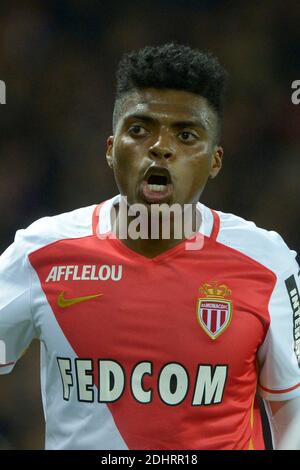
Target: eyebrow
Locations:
point(151, 120)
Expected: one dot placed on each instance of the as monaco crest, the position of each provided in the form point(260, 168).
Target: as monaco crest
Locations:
point(214, 310)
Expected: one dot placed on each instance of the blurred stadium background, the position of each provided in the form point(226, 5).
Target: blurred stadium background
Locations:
point(58, 60)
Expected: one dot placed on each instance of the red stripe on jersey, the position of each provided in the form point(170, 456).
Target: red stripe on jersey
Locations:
point(204, 316)
point(216, 225)
point(286, 390)
point(8, 364)
point(96, 217)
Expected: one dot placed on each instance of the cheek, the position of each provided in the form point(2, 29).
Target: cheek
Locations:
point(127, 163)
point(191, 178)
point(120, 153)
point(195, 168)
point(197, 159)
point(123, 161)
point(201, 161)
point(126, 152)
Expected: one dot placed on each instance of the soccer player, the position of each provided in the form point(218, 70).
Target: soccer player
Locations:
point(151, 341)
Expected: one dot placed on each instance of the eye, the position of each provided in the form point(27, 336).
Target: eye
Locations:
point(187, 136)
point(137, 130)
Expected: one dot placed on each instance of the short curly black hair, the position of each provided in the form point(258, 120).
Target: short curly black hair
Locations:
point(172, 66)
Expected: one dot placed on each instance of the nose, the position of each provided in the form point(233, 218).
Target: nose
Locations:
point(161, 149)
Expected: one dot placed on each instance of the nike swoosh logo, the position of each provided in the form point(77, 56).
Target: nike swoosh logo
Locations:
point(64, 303)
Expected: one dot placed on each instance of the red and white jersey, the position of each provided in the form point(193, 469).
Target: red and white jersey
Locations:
point(161, 353)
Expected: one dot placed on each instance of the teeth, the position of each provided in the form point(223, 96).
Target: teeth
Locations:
point(157, 187)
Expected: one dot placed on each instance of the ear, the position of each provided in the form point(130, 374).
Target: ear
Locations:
point(216, 162)
point(109, 150)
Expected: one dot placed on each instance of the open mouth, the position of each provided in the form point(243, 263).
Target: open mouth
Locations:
point(157, 185)
point(157, 182)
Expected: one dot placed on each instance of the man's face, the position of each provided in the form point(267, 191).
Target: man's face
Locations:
point(163, 149)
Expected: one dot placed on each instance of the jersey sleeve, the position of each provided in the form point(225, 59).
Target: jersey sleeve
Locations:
point(279, 355)
point(16, 325)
